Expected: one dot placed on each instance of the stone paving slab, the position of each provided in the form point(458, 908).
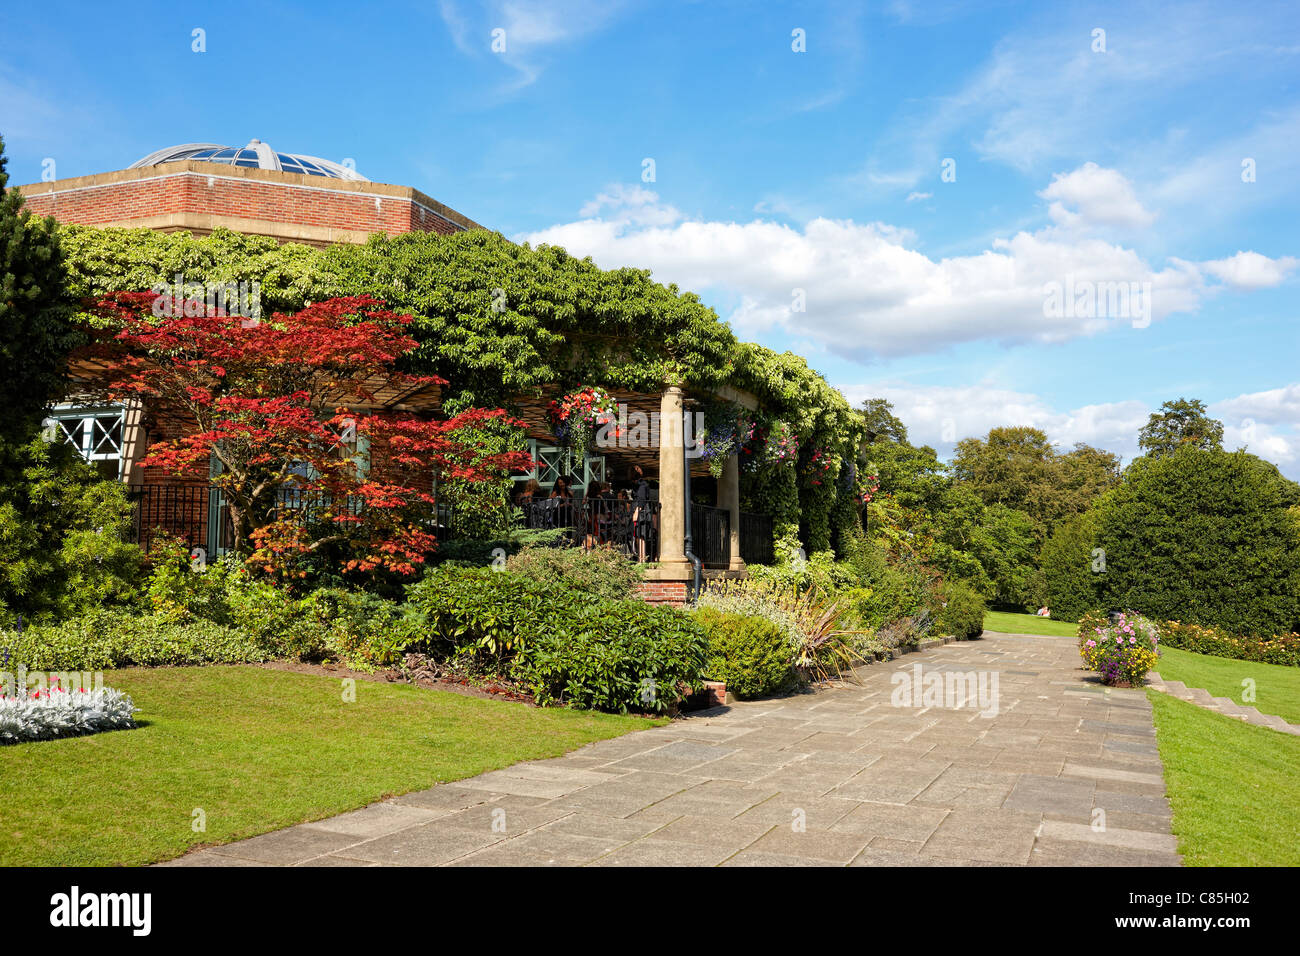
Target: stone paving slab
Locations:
point(1056, 770)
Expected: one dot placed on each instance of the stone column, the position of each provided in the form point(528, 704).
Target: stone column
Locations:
point(729, 498)
point(133, 447)
point(672, 484)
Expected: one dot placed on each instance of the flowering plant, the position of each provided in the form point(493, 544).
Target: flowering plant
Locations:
point(1122, 652)
point(778, 446)
point(818, 465)
point(867, 490)
point(727, 428)
point(575, 418)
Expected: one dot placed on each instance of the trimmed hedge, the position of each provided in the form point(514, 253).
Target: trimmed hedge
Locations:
point(1208, 537)
point(750, 653)
point(109, 639)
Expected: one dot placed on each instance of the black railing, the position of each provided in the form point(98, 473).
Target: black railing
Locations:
point(711, 535)
point(198, 514)
point(756, 538)
point(631, 527)
point(188, 512)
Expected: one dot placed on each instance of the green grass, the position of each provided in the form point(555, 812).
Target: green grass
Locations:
point(1008, 623)
point(256, 750)
point(1277, 688)
point(1232, 786)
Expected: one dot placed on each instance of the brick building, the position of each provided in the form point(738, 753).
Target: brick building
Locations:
point(251, 189)
point(255, 190)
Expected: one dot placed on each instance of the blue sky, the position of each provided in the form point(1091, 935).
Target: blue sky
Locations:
point(782, 177)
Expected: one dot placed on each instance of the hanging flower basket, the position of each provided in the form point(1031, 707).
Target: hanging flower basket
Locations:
point(818, 466)
point(727, 428)
point(775, 447)
point(575, 418)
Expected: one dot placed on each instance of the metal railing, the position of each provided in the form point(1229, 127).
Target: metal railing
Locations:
point(711, 535)
point(198, 514)
point(630, 527)
point(756, 538)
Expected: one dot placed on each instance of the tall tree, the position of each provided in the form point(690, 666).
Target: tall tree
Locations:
point(882, 424)
point(1019, 467)
point(36, 331)
point(1180, 424)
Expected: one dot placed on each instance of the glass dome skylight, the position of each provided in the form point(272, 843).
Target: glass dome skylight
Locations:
point(256, 155)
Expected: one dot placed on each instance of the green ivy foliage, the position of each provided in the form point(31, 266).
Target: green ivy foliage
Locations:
point(498, 319)
point(501, 320)
point(101, 261)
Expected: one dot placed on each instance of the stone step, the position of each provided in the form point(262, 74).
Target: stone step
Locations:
point(1222, 705)
point(1277, 723)
point(1229, 706)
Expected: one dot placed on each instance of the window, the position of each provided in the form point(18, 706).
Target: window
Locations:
point(97, 434)
point(552, 463)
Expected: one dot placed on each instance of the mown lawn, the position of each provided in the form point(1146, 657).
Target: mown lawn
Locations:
point(1007, 622)
point(1232, 786)
point(256, 750)
point(1277, 688)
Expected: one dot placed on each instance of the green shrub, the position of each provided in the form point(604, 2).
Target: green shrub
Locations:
point(819, 572)
point(753, 597)
point(567, 645)
point(363, 630)
point(962, 616)
point(751, 654)
point(492, 613)
point(484, 552)
point(104, 640)
point(601, 572)
point(64, 531)
point(1207, 537)
point(615, 656)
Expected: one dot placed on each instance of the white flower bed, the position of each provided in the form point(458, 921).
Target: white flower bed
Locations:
point(60, 713)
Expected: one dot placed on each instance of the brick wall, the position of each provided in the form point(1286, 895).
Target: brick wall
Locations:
point(310, 209)
point(663, 592)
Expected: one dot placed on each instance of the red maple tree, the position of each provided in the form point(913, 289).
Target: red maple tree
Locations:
point(287, 407)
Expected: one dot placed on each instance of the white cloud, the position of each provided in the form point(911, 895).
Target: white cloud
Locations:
point(869, 292)
point(1266, 423)
point(941, 415)
point(530, 28)
point(1250, 270)
point(917, 197)
point(1100, 197)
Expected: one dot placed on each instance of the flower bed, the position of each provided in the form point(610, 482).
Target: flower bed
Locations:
point(1122, 652)
point(44, 715)
point(1279, 649)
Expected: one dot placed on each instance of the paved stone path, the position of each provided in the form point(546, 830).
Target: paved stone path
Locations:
point(1222, 705)
point(1066, 773)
